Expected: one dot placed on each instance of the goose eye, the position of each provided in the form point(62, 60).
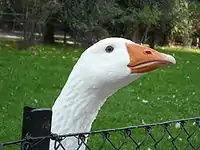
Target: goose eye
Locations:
point(109, 49)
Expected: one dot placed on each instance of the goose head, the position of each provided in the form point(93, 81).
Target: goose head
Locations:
point(115, 62)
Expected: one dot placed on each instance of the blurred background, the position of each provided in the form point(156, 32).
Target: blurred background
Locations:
point(83, 22)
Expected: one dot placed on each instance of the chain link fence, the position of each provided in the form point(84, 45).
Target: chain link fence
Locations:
point(177, 135)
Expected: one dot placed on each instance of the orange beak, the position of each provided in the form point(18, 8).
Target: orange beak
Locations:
point(144, 59)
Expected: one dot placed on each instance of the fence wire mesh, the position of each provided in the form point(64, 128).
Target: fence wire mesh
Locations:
point(177, 134)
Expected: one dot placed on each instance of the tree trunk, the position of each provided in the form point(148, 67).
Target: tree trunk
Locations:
point(145, 35)
point(65, 34)
point(151, 40)
point(49, 33)
point(136, 36)
point(165, 39)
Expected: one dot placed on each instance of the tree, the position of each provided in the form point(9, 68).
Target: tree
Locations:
point(52, 12)
point(186, 23)
point(85, 19)
point(139, 19)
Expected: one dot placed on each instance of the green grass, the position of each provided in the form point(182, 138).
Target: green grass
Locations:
point(36, 79)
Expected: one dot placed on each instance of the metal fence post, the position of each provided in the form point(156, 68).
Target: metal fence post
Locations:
point(36, 123)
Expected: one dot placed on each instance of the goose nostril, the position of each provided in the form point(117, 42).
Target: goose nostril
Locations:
point(148, 52)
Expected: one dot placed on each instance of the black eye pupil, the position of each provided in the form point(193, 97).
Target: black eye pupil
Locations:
point(109, 49)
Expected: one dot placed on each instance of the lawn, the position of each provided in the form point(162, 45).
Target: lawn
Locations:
point(35, 79)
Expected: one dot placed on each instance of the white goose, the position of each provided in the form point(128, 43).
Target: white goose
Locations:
point(102, 69)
